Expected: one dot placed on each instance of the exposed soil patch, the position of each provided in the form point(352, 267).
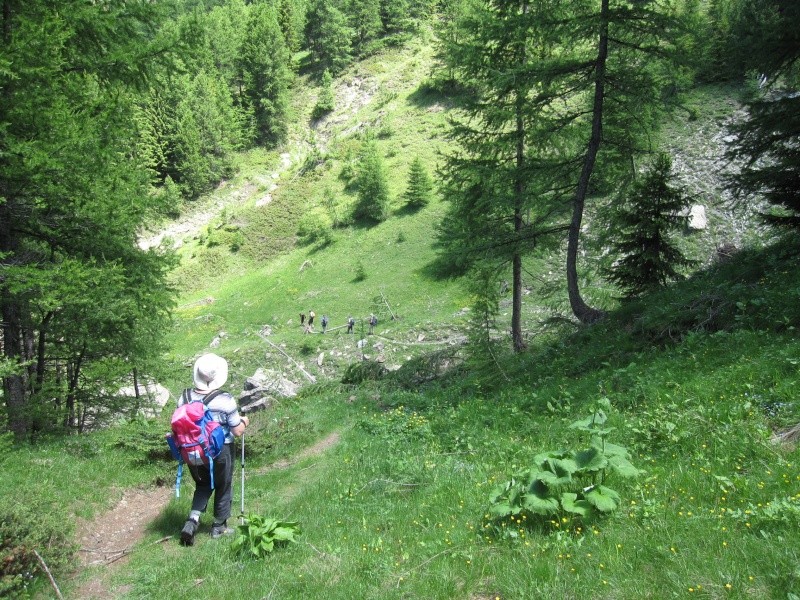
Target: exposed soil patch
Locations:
point(111, 536)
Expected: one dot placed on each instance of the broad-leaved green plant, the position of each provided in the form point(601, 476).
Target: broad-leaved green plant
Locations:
point(259, 536)
point(567, 482)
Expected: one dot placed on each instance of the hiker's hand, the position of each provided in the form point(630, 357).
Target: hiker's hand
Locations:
point(246, 421)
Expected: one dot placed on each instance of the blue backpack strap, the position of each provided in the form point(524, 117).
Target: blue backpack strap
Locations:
point(178, 479)
point(208, 398)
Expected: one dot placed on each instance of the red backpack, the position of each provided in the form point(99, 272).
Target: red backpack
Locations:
point(196, 438)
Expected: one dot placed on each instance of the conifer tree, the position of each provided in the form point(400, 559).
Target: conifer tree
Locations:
point(395, 15)
point(494, 181)
point(292, 21)
point(365, 19)
point(80, 303)
point(644, 223)
point(593, 68)
point(325, 102)
point(264, 68)
point(420, 185)
point(767, 141)
point(329, 35)
point(373, 187)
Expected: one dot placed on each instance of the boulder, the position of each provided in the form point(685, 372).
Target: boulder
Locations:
point(255, 405)
point(271, 381)
point(153, 396)
point(697, 217)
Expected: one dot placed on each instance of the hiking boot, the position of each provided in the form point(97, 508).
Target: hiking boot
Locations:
point(188, 531)
point(220, 529)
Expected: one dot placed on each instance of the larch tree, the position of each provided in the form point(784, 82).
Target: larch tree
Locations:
point(493, 179)
point(625, 54)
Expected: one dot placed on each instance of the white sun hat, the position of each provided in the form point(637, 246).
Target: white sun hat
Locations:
point(210, 372)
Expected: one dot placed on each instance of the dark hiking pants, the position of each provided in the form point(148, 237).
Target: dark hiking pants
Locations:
point(223, 485)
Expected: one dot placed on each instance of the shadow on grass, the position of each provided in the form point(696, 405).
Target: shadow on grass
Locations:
point(407, 210)
point(442, 268)
point(171, 519)
point(432, 92)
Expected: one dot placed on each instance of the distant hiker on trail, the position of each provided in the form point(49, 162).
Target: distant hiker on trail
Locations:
point(373, 321)
point(210, 373)
point(302, 318)
point(324, 322)
point(311, 316)
point(350, 322)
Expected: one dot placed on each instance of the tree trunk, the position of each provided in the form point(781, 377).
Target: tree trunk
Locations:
point(73, 376)
point(519, 193)
point(584, 312)
point(14, 385)
point(41, 353)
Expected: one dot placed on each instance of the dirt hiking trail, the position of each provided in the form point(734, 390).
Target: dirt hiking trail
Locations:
point(107, 541)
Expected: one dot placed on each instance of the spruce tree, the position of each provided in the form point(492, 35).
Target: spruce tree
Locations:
point(373, 187)
point(264, 69)
point(644, 223)
point(420, 185)
point(329, 35)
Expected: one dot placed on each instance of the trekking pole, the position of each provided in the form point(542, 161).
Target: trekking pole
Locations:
point(241, 514)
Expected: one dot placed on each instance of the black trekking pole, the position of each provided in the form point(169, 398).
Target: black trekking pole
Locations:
point(241, 514)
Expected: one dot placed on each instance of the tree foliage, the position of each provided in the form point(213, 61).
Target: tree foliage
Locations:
point(263, 65)
point(420, 185)
point(81, 304)
point(644, 223)
point(768, 141)
point(326, 102)
point(373, 187)
point(329, 35)
point(574, 91)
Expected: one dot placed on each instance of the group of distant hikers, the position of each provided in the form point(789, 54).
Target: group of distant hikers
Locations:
point(308, 324)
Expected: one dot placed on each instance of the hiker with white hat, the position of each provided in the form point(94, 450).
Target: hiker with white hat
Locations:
point(210, 373)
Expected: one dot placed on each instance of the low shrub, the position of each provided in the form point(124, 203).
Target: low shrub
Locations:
point(26, 528)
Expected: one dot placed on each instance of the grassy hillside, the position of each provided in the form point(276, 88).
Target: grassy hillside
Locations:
point(398, 503)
